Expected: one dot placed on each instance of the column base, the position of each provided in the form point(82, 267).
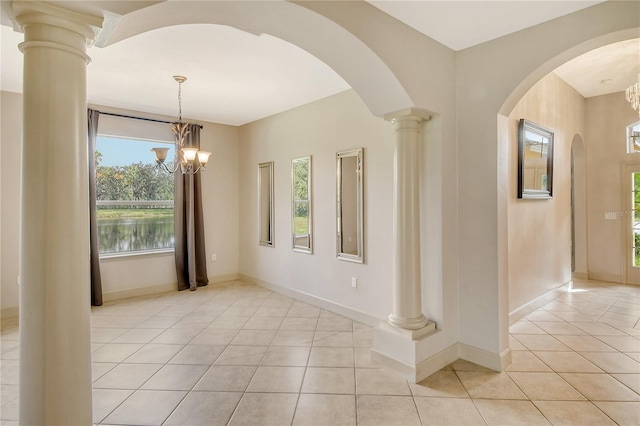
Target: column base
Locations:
point(394, 326)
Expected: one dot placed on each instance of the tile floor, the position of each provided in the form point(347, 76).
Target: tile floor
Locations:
point(241, 355)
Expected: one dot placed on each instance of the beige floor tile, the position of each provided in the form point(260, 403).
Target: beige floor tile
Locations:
point(489, 385)
point(448, 411)
point(154, 353)
point(293, 338)
point(265, 409)
point(613, 362)
point(335, 339)
point(597, 328)
point(9, 349)
point(440, 384)
point(622, 343)
point(515, 345)
point(286, 356)
point(303, 310)
point(558, 327)
point(364, 359)
point(376, 410)
point(541, 342)
point(567, 362)
point(525, 327)
point(242, 355)
point(98, 369)
point(146, 407)
point(526, 361)
point(299, 324)
point(335, 324)
point(253, 337)
point(177, 336)
point(263, 323)
point(229, 322)
point(632, 381)
point(106, 400)
point(158, 322)
point(329, 380)
point(115, 352)
point(272, 311)
point(623, 413)
point(277, 379)
point(323, 410)
point(126, 376)
point(541, 315)
point(600, 387)
point(175, 377)
point(226, 378)
point(573, 413)
point(204, 408)
point(106, 334)
point(212, 336)
point(331, 357)
point(198, 354)
point(545, 387)
point(371, 381)
point(363, 338)
point(585, 343)
point(509, 412)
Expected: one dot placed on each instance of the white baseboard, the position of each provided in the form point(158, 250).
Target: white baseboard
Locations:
point(437, 362)
point(493, 361)
point(524, 310)
point(580, 275)
point(612, 278)
point(314, 300)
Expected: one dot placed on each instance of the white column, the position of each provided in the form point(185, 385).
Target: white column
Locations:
point(55, 344)
point(407, 298)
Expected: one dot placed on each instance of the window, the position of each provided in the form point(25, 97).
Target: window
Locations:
point(635, 220)
point(134, 199)
point(633, 138)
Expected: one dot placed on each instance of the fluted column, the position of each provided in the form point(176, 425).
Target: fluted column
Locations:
point(55, 344)
point(407, 299)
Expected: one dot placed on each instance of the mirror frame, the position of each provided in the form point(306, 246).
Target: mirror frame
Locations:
point(270, 242)
point(295, 247)
point(528, 126)
point(359, 256)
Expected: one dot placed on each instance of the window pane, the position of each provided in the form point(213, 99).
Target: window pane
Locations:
point(134, 198)
point(301, 217)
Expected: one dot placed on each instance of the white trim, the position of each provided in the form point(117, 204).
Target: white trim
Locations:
point(315, 300)
point(436, 362)
point(493, 361)
point(524, 310)
point(612, 278)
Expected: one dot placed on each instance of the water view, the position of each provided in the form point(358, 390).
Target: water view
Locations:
point(117, 235)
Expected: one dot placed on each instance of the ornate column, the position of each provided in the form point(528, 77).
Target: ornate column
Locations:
point(407, 295)
point(55, 344)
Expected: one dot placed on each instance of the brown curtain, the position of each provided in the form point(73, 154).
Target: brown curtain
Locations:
point(96, 280)
point(191, 257)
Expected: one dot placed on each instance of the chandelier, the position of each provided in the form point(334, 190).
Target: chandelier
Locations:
point(185, 157)
point(633, 95)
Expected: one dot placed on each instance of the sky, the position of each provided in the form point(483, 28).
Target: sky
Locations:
point(122, 152)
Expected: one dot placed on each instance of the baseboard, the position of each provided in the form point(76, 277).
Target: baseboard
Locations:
point(314, 300)
point(437, 362)
point(612, 278)
point(7, 313)
point(524, 310)
point(160, 288)
point(491, 360)
point(581, 275)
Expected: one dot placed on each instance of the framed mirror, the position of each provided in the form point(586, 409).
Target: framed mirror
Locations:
point(535, 161)
point(301, 205)
point(266, 229)
point(349, 205)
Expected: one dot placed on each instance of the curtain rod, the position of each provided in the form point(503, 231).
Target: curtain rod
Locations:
point(141, 118)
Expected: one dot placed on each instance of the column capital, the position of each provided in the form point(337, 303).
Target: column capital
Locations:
point(39, 12)
point(411, 114)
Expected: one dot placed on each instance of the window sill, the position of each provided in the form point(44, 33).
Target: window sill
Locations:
point(132, 255)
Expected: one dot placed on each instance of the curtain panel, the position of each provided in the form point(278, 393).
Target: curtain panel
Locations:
point(190, 253)
point(96, 280)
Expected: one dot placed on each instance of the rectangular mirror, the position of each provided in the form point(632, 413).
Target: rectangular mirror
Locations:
point(535, 161)
point(266, 230)
point(349, 173)
point(301, 205)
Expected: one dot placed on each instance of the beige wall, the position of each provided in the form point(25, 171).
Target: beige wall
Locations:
point(539, 239)
point(607, 119)
point(132, 275)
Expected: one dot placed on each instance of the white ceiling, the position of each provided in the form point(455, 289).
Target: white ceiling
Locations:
point(235, 77)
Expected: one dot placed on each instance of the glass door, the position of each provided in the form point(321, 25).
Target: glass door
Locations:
point(633, 228)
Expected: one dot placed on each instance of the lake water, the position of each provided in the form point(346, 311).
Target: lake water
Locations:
point(135, 234)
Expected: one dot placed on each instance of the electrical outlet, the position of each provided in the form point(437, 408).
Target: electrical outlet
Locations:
point(354, 282)
point(214, 257)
